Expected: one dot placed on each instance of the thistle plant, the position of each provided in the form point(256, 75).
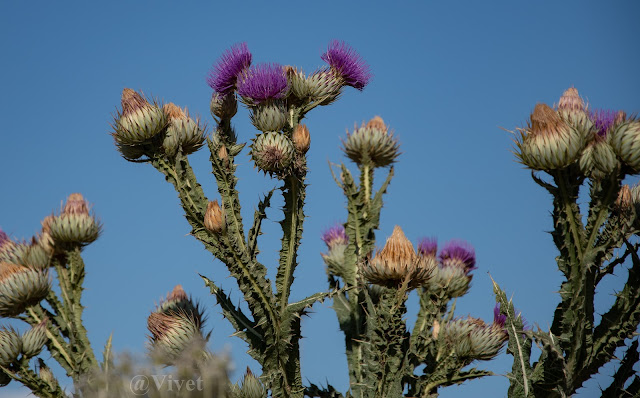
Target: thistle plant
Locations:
point(580, 149)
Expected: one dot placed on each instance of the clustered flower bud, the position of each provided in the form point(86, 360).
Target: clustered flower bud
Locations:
point(372, 144)
point(139, 120)
point(34, 339)
point(548, 142)
point(272, 152)
point(214, 219)
point(74, 226)
point(398, 262)
point(10, 346)
point(21, 287)
point(183, 133)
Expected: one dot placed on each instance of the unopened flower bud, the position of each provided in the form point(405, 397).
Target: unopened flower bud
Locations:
point(457, 260)
point(269, 116)
point(272, 152)
point(5, 242)
point(252, 387)
point(372, 144)
point(76, 205)
point(625, 140)
point(224, 106)
point(397, 262)
point(10, 346)
point(177, 301)
point(46, 375)
point(34, 339)
point(573, 110)
point(183, 132)
point(21, 287)
point(471, 338)
point(223, 155)
point(173, 334)
point(549, 143)
point(74, 225)
point(139, 120)
point(301, 138)
point(214, 219)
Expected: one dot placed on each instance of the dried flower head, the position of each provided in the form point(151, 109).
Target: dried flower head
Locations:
point(76, 205)
point(571, 101)
point(263, 82)
point(346, 62)
point(301, 138)
point(214, 219)
point(224, 74)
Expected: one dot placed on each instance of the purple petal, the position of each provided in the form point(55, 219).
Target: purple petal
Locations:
point(224, 74)
point(499, 319)
point(459, 251)
point(262, 82)
point(603, 120)
point(346, 61)
point(335, 235)
point(428, 246)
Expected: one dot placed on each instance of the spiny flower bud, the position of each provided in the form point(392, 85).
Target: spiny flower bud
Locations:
point(224, 106)
point(272, 152)
point(324, 85)
point(183, 132)
point(372, 144)
point(397, 262)
point(21, 287)
point(33, 256)
point(301, 138)
point(74, 225)
point(223, 155)
point(548, 143)
point(252, 387)
point(214, 219)
point(571, 101)
point(624, 201)
point(173, 334)
point(46, 375)
point(34, 339)
point(139, 120)
point(471, 338)
point(5, 242)
point(625, 140)
point(269, 116)
point(10, 346)
point(572, 109)
point(177, 301)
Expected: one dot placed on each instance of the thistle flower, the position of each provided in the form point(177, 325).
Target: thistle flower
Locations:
point(224, 74)
point(428, 247)
point(34, 339)
point(177, 301)
point(301, 138)
point(214, 219)
point(397, 262)
point(10, 346)
point(21, 287)
point(263, 82)
point(334, 236)
point(323, 85)
point(457, 260)
point(183, 132)
point(173, 334)
point(499, 319)
point(625, 141)
point(138, 122)
point(372, 144)
point(347, 64)
point(548, 142)
point(32, 255)
point(74, 225)
point(604, 120)
point(272, 152)
point(572, 109)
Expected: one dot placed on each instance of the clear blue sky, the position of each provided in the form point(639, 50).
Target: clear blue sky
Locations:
point(448, 75)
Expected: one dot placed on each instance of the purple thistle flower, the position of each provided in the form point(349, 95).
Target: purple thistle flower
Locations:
point(603, 119)
point(458, 253)
point(262, 82)
point(335, 235)
point(224, 74)
point(346, 61)
point(428, 247)
point(498, 319)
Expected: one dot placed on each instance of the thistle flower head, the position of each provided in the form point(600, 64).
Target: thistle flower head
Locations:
point(74, 225)
point(34, 339)
point(21, 287)
point(397, 262)
point(224, 106)
point(346, 62)
point(471, 338)
point(177, 301)
point(499, 319)
point(458, 253)
point(335, 235)
point(272, 152)
point(571, 101)
point(263, 82)
point(173, 334)
point(372, 143)
point(76, 205)
point(214, 219)
point(132, 101)
point(428, 247)
point(224, 74)
point(137, 123)
point(10, 346)
point(605, 119)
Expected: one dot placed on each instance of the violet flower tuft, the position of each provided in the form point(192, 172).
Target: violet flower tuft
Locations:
point(428, 247)
point(603, 120)
point(224, 74)
point(262, 82)
point(335, 235)
point(498, 319)
point(348, 64)
point(458, 253)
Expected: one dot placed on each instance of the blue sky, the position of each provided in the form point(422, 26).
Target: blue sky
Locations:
point(447, 77)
